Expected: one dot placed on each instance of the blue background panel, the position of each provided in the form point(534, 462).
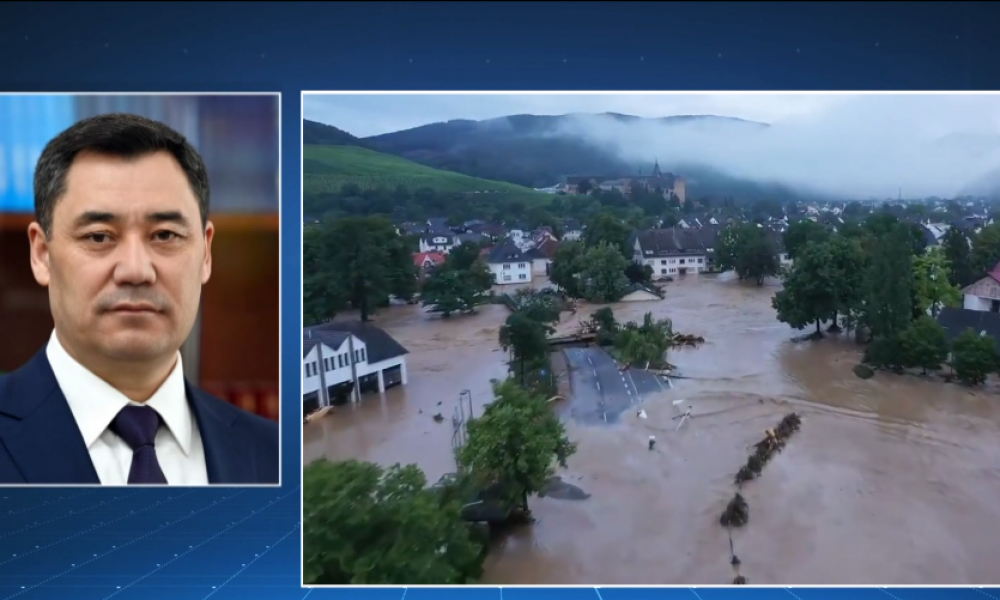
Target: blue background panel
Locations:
point(244, 544)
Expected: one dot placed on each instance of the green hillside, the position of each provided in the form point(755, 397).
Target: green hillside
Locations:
point(327, 168)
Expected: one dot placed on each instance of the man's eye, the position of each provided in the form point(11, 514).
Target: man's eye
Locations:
point(166, 236)
point(98, 238)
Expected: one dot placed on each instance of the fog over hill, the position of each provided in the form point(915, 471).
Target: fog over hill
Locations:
point(852, 146)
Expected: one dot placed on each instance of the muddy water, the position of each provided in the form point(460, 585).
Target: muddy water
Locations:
point(893, 480)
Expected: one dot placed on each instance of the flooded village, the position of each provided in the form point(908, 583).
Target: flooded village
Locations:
point(893, 479)
point(646, 377)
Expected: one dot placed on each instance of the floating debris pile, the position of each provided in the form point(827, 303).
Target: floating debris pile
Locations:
point(737, 512)
point(773, 442)
point(684, 339)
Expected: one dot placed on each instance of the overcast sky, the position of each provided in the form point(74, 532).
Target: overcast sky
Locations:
point(859, 145)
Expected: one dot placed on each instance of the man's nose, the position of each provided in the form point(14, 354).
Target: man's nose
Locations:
point(135, 263)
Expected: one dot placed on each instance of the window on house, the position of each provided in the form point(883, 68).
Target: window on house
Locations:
point(682, 261)
point(315, 367)
point(663, 262)
point(520, 265)
point(506, 267)
point(663, 271)
point(363, 354)
point(308, 373)
point(522, 276)
point(700, 260)
point(506, 277)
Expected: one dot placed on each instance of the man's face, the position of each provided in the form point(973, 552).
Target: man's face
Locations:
point(126, 259)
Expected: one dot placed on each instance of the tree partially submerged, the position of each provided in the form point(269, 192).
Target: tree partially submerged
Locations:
point(517, 442)
point(974, 357)
point(459, 285)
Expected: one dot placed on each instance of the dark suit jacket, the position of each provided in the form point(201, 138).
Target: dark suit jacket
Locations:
point(40, 442)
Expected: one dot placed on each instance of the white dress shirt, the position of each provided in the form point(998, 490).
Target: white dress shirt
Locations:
point(94, 404)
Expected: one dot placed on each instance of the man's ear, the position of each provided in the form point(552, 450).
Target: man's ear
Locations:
point(39, 254)
point(206, 268)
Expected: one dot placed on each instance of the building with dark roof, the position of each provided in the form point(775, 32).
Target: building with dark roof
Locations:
point(345, 359)
point(674, 251)
point(509, 264)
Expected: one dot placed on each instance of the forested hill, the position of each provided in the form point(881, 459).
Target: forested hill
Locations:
point(319, 134)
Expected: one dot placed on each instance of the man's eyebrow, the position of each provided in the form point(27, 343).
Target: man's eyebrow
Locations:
point(94, 216)
point(171, 216)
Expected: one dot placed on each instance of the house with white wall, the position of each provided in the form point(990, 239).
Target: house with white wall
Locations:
point(673, 251)
point(343, 360)
point(509, 264)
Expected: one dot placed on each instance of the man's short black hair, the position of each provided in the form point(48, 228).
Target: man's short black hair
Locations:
point(117, 134)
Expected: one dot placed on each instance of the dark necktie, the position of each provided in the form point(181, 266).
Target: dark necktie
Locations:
point(137, 425)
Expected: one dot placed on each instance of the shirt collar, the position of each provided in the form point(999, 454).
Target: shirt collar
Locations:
point(95, 403)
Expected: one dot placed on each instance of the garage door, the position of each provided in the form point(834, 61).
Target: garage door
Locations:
point(392, 376)
point(310, 403)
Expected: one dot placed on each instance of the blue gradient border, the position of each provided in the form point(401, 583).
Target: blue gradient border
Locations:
point(245, 544)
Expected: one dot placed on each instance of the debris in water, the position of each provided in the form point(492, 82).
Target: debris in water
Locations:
point(652, 441)
point(744, 474)
point(438, 418)
point(739, 579)
point(680, 339)
point(641, 414)
point(737, 512)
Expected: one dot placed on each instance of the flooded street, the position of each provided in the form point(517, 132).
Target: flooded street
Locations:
point(891, 480)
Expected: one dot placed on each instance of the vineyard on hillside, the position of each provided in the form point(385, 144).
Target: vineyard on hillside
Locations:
point(326, 169)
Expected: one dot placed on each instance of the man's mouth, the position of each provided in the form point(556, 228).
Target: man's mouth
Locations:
point(130, 308)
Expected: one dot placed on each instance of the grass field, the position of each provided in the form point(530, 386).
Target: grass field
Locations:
point(327, 168)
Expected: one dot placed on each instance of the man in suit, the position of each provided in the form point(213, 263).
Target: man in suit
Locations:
point(123, 243)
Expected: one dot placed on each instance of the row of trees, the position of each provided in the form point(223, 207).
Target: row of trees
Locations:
point(354, 262)
point(876, 279)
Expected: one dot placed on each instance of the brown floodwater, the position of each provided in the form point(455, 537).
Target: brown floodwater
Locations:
point(892, 480)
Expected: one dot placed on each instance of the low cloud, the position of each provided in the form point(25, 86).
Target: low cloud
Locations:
point(855, 146)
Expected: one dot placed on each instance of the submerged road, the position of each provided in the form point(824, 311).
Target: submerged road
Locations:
point(601, 393)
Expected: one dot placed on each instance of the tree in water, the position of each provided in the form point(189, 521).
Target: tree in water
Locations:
point(603, 276)
point(924, 345)
point(888, 290)
point(360, 261)
point(809, 294)
point(526, 340)
point(517, 442)
point(974, 357)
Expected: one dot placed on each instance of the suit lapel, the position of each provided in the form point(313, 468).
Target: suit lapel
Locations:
point(229, 451)
point(44, 440)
